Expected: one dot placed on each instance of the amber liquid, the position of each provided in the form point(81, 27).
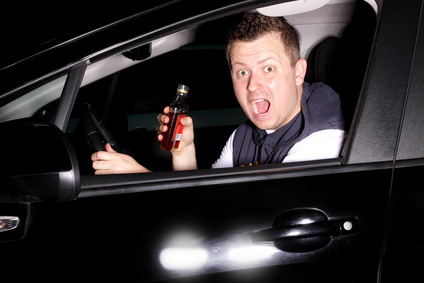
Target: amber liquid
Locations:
point(170, 139)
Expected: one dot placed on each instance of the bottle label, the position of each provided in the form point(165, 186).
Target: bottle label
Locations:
point(178, 128)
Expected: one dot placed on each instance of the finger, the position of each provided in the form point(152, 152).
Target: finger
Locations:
point(99, 155)
point(94, 157)
point(160, 115)
point(162, 118)
point(186, 121)
point(101, 172)
point(161, 129)
point(102, 155)
point(100, 165)
point(109, 148)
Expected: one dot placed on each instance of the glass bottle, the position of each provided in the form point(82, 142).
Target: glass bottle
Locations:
point(178, 109)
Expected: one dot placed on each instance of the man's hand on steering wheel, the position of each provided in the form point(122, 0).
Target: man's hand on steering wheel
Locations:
point(112, 162)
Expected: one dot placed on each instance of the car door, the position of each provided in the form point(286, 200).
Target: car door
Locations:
point(251, 225)
point(404, 249)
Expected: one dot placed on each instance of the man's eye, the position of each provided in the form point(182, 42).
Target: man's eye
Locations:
point(269, 69)
point(242, 73)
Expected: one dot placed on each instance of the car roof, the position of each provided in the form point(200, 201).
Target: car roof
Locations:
point(49, 42)
point(40, 47)
point(40, 26)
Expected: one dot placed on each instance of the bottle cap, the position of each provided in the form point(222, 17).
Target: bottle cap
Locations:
point(182, 88)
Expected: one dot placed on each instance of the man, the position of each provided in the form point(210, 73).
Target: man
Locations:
point(289, 119)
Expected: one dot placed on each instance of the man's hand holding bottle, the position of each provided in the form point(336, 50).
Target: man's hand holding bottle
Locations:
point(183, 157)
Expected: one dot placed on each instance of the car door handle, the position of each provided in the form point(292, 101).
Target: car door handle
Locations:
point(329, 228)
point(305, 230)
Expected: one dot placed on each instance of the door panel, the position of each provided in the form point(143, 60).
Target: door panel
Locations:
point(412, 134)
point(380, 108)
point(404, 253)
point(154, 235)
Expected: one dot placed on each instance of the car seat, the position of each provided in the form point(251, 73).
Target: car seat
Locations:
point(341, 62)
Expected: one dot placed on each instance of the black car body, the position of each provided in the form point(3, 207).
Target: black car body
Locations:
point(357, 218)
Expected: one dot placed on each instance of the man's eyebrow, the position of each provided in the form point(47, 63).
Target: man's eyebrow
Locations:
point(271, 58)
point(238, 63)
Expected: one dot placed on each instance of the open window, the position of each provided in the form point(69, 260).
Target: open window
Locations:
point(128, 93)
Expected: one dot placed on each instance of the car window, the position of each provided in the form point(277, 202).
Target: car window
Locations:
point(142, 91)
point(130, 100)
point(39, 100)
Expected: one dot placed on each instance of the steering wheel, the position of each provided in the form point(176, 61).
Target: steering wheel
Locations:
point(96, 131)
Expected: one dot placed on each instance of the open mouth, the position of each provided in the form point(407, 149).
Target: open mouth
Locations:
point(260, 106)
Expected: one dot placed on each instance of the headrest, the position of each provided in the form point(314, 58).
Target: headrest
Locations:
point(320, 60)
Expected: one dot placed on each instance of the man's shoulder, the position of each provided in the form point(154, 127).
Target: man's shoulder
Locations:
point(319, 90)
point(321, 107)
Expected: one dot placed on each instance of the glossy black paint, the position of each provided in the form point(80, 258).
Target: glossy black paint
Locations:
point(41, 163)
point(140, 224)
point(385, 88)
point(404, 251)
point(118, 227)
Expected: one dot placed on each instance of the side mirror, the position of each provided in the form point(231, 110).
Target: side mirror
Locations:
point(38, 163)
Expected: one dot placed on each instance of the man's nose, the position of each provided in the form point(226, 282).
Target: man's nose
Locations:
point(255, 83)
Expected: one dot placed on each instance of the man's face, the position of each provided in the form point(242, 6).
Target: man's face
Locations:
point(267, 87)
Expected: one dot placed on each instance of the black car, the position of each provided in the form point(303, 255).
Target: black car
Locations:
point(109, 72)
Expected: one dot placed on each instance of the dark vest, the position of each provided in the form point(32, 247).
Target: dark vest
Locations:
point(320, 111)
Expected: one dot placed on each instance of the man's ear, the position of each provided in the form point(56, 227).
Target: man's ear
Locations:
point(300, 70)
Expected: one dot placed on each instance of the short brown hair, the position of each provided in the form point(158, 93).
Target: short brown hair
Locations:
point(254, 25)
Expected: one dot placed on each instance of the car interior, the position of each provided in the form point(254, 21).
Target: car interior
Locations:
point(127, 91)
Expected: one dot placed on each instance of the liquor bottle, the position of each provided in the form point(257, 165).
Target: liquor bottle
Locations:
point(178, 109)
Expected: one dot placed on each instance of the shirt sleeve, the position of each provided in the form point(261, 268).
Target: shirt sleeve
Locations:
point(319, 145)
point(226, 157)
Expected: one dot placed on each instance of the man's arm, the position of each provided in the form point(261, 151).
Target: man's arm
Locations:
point(183, 158)
point(226, 158)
